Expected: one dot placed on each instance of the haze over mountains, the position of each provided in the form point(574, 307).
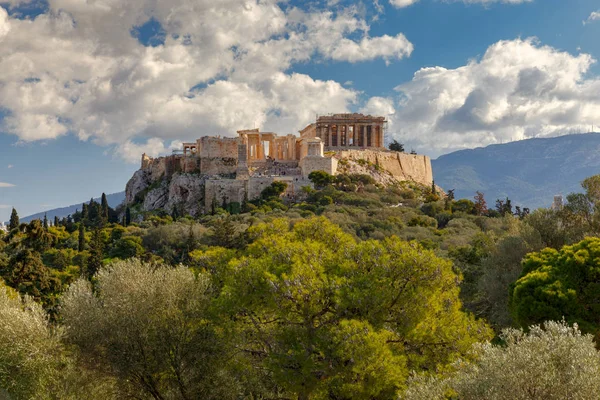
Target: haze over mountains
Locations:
point(529, 172)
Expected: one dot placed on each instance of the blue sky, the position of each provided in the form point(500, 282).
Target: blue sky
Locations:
point(86, 88)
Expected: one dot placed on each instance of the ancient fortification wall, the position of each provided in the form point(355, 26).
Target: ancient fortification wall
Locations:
point(403, 166)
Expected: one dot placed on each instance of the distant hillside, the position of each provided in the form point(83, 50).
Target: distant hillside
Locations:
point(529, 172)
point(113, 201)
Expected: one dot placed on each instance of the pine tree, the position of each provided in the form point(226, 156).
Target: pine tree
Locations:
point(14, 220)
point(56, 221)
point(81, 245)
point(45, 221)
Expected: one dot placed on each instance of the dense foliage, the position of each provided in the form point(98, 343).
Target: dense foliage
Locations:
point(343, 295)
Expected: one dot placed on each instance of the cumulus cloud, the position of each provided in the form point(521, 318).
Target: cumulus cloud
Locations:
point(519, 89)
point(223, 66)
point(594, 16)
point(6, 185)
point(406, 3)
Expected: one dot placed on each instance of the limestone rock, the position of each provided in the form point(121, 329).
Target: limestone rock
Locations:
point(140, 180)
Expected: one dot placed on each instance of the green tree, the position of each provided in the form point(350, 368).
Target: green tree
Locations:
point(127, 216)
point(27, 274)
point(94, 262)
point(560, 283)
point(104, 209)
point(273, 191)
point(333, 318)
point(81, 238)
point(14, 220)
point(396, 146)
point(553, 362)
point(56, 221)
point(320, 179)
point(45, 224)
point(29, 348)
point(149, 324)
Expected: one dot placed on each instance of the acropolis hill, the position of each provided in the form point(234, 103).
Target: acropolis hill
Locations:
point(226, 170)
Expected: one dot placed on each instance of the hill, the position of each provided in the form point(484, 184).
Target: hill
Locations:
point(529, 172)
point(113, 200)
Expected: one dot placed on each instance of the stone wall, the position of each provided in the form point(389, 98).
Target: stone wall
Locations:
point(232, 190)
point(403, 166)
point(216, 147)
point(316, 163)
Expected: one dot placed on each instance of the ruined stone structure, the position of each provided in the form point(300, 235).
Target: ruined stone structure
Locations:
point(340, 131)
point(226, 170)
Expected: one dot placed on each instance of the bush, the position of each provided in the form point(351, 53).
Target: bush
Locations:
point(553, 362)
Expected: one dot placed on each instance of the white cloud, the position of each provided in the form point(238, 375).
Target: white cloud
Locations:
point(6, 185)
point(403, 3)
point(78, 69)
point(9, 166)
point(519, 89)
point(4, 206)
point(406, 3)
point(594, 16)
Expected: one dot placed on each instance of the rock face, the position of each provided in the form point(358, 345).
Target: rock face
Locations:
point(186, 184)
point(184, 191)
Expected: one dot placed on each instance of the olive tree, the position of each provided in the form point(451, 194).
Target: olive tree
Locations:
point(551, 362)
point(148, 324)
point(30, 347)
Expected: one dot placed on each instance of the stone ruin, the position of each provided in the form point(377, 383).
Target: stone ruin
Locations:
point(234, 169)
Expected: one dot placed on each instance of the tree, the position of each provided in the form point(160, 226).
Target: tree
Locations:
point(504, 207)
point(553, 362)
point(274, 190)
point(449, 200)
point(29, 348)
point(150, 325)
point(320, 179)
point(396, 146)
point(332, 317)
point(104, 209)
point(14, 220)
point(560, 283)
point(27, 274)
point(56, 221)
point(127, 216)
point(480, 204)
point(94, 262)
point(45, 222)
point(81, 239)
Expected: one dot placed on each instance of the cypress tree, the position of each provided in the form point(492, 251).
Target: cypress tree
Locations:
point(14, 220)
point(81, 245)
point(94, 262)
point(104, 208)
point(84, 212)
point(127, 216)
point(56, 221)
point(45, 221)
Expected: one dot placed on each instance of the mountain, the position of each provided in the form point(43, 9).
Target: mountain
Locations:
point(529, 172)
point(113, 201)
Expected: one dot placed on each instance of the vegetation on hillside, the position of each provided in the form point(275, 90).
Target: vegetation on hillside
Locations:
point(360, 292)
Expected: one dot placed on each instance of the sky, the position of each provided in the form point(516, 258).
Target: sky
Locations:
point(86, 87)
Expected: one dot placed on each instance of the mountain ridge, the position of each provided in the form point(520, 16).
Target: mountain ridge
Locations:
point(114, 199)
point(529, 172)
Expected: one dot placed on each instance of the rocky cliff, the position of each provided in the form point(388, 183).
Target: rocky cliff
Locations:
point(169, 183)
